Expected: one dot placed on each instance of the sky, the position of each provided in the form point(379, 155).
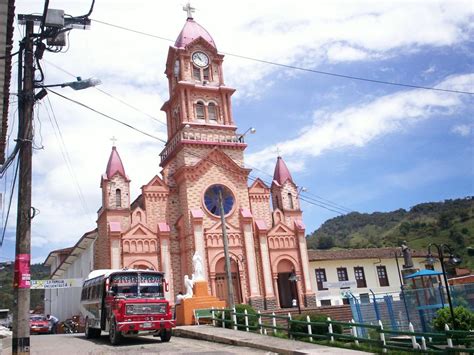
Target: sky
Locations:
point(352, 145)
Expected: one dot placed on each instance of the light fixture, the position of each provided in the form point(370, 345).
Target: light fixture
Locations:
point(250, 130)
point(79, 84)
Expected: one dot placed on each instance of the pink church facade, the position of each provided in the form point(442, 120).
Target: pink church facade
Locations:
point(178, 212)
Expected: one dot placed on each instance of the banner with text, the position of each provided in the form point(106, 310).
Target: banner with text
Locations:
point(57, 283)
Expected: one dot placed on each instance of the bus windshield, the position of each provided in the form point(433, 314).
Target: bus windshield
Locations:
point(137, 284)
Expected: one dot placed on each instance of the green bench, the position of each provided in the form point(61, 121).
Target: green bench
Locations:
point(203, 314)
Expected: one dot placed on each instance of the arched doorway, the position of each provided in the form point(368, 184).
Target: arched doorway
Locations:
point(286, 289)
point(221, 281)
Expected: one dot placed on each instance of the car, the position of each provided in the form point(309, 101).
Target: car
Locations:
point(39, 324)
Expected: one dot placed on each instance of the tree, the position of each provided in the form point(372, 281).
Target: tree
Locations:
point(445, 220)
point(325, 242)
point(463, 316)
point(404, 228)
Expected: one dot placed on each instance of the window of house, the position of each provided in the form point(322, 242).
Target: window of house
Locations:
point(118, 198)
point(364, 298)
point(325, 302)
point(360, 276)
point(342, 275)
point(196, 73)
point(212, 111)
point(346, 300)
point(320, 278)
point(382, 274)
point(200, 110)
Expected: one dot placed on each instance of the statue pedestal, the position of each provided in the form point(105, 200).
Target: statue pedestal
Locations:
point(200, 300)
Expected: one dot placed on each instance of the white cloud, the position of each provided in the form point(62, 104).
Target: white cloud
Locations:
point(357, 126)
point(131, 66)
point(462, 129)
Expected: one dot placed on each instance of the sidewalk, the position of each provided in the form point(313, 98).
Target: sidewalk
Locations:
point(257, 341)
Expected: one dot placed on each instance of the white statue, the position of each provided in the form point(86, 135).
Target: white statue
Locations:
point(198, 274)
point(188, 283)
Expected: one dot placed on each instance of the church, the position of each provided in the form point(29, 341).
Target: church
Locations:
point(203, 173)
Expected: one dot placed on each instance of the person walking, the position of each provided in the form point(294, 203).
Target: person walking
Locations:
point(53, 321)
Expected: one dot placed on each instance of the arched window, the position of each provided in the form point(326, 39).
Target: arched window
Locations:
point(205, 74)
point(118, 198)
point(212, 111)
point(196, 73)
point(290, 200)
point(200, 110)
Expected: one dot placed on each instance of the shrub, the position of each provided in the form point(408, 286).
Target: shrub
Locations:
point(464, 318)
point(240, 308)
point(316, 329)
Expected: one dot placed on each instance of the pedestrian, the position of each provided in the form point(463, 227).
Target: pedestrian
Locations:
point(53, 321)
point(179, 298)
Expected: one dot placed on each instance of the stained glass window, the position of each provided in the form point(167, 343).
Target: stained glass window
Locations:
point(211, 199)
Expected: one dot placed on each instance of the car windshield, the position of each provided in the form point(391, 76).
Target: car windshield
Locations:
point(37, 318)
point(137, 284)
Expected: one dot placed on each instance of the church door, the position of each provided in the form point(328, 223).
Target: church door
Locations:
point(286, 290)
point(221, 287)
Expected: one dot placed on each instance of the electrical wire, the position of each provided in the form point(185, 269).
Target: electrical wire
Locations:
point(10, 202)
point(294, 67)
point(65, 155)
point(111, 96)
point(192, 153)
point(10, 55)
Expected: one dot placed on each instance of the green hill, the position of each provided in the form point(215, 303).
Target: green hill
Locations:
point(450, 222)
point(38, 272)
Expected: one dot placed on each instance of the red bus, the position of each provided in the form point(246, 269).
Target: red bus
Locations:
point(126, 303)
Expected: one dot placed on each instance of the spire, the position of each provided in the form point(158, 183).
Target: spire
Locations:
point(115, 164)
point(191, 31)
point(281, 173)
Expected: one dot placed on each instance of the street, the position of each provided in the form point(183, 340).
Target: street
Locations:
point(78, 344)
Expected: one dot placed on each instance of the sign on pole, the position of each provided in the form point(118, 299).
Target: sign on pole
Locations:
point(56, 283)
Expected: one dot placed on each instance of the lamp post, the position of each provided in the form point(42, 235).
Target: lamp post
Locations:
point(453, 260)
point(250, 130)
point(294, 279)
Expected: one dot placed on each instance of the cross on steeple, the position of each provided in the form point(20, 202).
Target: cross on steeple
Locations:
point(189, 10)
point(114, 140)
point(278, 151)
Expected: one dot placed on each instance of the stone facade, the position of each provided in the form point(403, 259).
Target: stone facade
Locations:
point(178, 213)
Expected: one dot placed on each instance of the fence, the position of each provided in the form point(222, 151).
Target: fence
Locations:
point(372, 335)
point(396, 310)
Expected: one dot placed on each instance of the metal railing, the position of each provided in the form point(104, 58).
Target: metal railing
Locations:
point(372, 335)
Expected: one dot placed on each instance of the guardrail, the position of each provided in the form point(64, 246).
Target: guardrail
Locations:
point(447, 342)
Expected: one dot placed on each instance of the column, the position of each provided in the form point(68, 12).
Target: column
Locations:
point(165, 256)
point(250, 257)
point(198, 233)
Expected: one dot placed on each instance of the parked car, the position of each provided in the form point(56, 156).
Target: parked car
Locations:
point(39, 324)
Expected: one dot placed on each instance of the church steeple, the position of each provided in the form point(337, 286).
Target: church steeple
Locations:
point(115, 165)
point(284, 191)
point(199, 110)
point(115, 184)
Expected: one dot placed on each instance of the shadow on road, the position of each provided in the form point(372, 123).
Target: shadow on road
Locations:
point(126, 341)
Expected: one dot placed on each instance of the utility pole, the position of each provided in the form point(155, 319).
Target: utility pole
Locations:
point(230, 288)
point(21, 282)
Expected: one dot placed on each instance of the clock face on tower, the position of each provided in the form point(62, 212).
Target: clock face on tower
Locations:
point(211, 199)
point(200, 59)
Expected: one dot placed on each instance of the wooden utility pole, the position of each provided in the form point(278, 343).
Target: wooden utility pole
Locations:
point(230, 288)
point(21, 282)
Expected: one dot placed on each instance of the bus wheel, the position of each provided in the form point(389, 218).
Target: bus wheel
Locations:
point(165, 335)
point(91, 332)
point(114, 334)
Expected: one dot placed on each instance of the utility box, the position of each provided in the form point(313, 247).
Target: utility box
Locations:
point(54, 18)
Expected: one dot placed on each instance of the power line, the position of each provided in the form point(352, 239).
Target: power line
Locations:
point(111, 96)
point(294, 67)
point(65, 155)
point(107, 116)
point(10, 201)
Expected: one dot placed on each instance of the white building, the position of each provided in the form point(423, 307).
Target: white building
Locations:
point(335, 273)
point(69, 263)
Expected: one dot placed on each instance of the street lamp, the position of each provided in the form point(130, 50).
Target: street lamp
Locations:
point(250, 130)
point(294, 279)
point(453, 260)
point(79, 84)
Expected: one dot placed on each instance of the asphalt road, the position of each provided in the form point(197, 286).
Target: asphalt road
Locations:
point(77, 344)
